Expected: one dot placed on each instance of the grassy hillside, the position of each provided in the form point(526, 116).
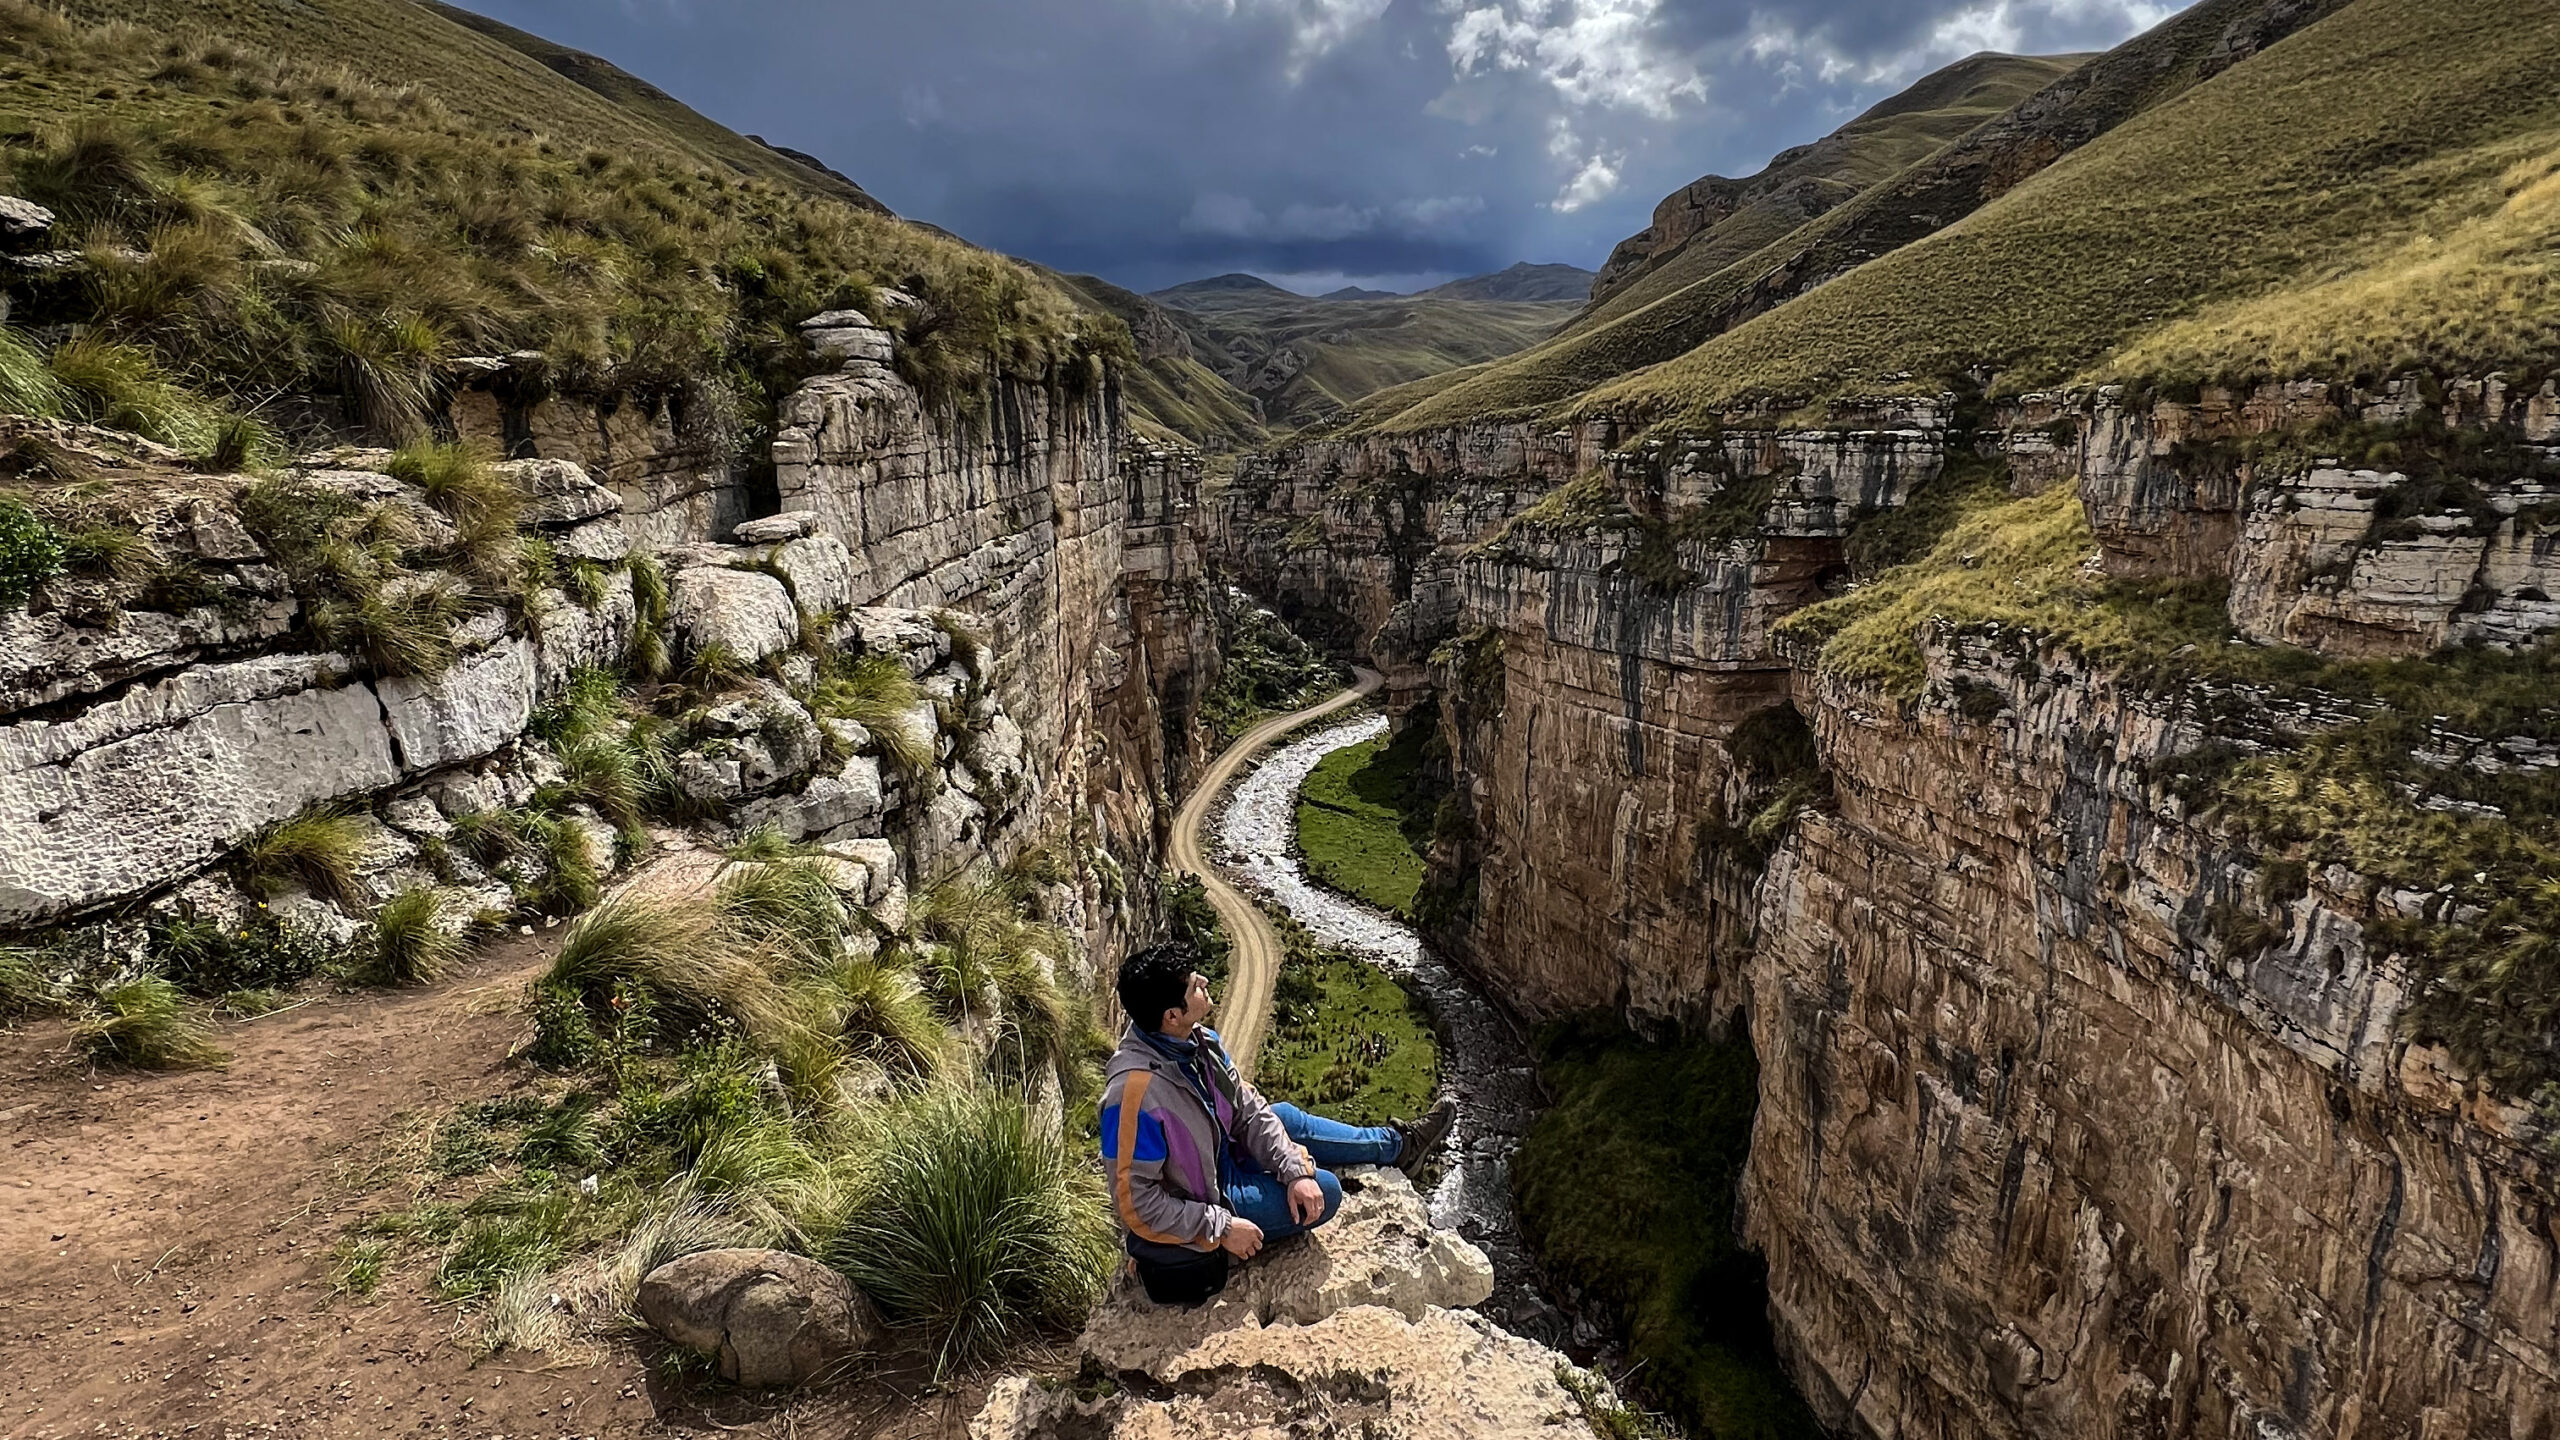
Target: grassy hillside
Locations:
point(1663, 306)
point(1756, 261)
point(1171, 393)
point(1309, 361)
point(1810, 180)
point(2373, 193)
point(307, 210)
point(633, 95)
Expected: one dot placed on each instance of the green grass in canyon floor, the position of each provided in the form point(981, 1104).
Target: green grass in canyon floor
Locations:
point(1357, 820)
point(1346, 1040)
point(1626, 1191)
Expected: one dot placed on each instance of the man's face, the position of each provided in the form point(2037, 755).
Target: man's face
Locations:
point(1194, 1011)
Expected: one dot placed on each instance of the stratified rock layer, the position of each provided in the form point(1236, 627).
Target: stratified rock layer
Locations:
point(2039, 1152)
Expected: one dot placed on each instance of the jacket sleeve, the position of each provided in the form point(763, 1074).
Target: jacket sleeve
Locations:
point(1260, 1132)
point(1133, 1158)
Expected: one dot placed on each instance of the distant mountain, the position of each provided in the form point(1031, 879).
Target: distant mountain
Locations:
point(1220, 289)
point(1523, 282)
point(1174, 393)
point(1303, 359)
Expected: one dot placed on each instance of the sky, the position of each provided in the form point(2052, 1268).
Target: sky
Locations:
point(1392, 144)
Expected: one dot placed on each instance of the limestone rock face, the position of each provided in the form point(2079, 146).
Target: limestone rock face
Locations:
point(1341, 1332)
point(769, 1317)
point(138, 792)
point(2039, 1152)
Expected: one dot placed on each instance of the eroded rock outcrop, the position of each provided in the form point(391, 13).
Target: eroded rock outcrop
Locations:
point(1352, 1331)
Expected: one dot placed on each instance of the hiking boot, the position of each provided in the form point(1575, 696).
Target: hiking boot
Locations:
point(1423, 1136)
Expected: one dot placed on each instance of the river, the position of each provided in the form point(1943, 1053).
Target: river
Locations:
point(1484, 1059)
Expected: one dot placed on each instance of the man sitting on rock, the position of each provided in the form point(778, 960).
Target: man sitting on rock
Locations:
point(1201, 1166)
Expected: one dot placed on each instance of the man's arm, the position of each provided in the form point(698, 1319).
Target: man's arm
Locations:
point(1133, 1153)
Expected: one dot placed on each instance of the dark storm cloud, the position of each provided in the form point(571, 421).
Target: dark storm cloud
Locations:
point(1324, 141)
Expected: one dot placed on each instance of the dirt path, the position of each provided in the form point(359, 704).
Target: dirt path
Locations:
point(168, 1235)
point(165, 1239)
point(1245, 1010)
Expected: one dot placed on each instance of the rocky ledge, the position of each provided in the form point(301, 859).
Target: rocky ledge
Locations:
point(1359, 1329)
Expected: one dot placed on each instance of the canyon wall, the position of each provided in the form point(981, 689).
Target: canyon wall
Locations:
point(1037, 572)
point(2045, 1147)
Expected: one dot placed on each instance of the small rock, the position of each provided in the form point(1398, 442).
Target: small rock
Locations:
point(770, 1317)
point(774, 529)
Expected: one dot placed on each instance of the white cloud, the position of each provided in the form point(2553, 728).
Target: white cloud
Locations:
point(1597, 180)
point(1589, 52)
point(2012, 26)
point(1315, 26)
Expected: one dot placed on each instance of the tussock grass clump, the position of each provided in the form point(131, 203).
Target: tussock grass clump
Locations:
point(318, 849)
point(27, 384)
point(648, 659)
point(698, 977)
point(144, 1024)
point(879, 695)
point(411, 945)
point(974, 1227)
point(24, 990)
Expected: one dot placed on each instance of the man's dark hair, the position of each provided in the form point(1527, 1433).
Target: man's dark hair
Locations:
point(1155, 980)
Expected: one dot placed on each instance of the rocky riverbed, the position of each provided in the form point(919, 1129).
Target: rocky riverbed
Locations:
point(1484, 1059)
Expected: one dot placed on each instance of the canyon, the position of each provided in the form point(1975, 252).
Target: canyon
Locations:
point(2045, 1146)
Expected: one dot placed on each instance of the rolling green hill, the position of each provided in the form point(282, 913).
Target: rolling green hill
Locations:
point(1658, 302)
point(1714, 222)
point(2377, 192)
point(1310, 361)
point(1171, 393)
point(306, 211)
point(630, 93)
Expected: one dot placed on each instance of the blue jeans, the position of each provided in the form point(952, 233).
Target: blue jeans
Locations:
point(1262, 1199)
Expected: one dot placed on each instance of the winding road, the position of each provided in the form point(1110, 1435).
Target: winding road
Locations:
point(1245, 1010)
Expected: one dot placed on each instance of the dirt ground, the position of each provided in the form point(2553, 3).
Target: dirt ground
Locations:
point(165, 1239)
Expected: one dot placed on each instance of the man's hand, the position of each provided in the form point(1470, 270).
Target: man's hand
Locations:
point(1242, 1239)
point(1306, 1201)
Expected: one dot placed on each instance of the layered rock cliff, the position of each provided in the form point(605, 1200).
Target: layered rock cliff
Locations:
point(2090, 1104)
point(1037, 574)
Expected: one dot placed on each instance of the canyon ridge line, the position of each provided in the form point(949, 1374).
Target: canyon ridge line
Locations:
point(1254, 965)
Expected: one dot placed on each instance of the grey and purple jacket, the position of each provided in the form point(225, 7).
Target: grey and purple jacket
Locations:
point(1167, 1128)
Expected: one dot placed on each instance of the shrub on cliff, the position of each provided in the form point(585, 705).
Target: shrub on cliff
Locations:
point(30, 553)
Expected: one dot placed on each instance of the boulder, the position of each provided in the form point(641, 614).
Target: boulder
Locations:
point(774, 529)
point(22, 221)
point(748, 613)
point(558, 492)
point(1343, 1332)
point(820, 570)
point(470, 710)
point(137, 791)
point(848, 335)
point(769, 1317)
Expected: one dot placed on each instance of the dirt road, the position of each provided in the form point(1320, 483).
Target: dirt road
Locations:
point(1245, 1010)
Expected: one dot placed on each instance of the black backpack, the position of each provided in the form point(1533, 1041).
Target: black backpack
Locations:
point(1178, 1274)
